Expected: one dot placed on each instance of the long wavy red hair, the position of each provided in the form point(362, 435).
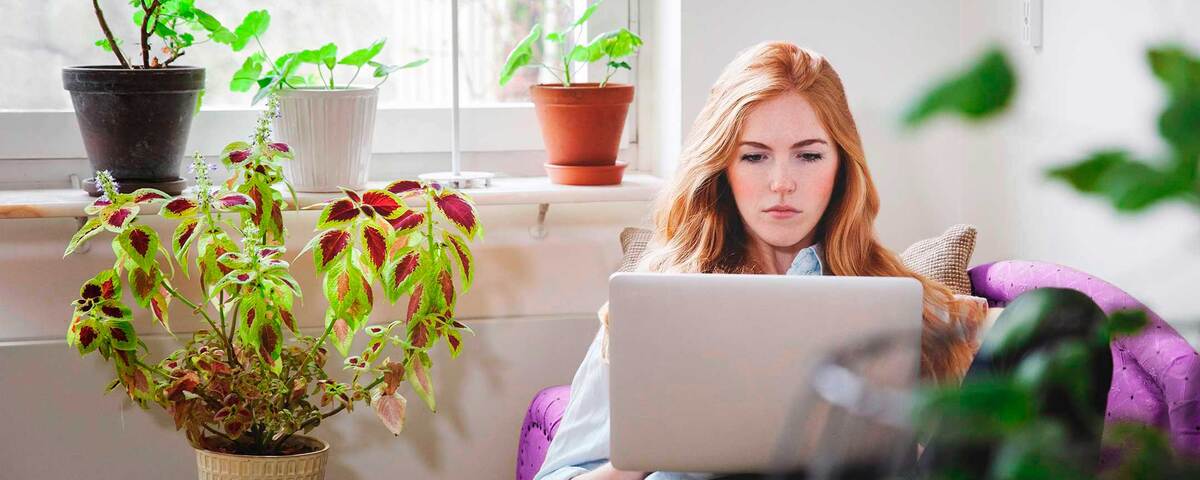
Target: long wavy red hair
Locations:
point(698, 228)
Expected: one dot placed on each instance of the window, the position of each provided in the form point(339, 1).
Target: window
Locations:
point(36, 122)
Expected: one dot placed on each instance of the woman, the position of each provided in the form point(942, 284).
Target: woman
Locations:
point(772, 180)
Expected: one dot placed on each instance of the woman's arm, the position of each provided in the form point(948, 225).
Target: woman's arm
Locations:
point(607, 472)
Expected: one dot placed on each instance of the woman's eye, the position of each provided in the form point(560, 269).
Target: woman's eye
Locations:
point(811, 157)
point(752, 157)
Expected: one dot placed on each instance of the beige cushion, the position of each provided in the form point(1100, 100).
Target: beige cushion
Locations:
point(633, 245)
point(943, 258)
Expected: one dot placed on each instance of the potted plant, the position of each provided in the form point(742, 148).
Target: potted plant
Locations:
point(244, 389)
point(581, 122)
point(135, 116)
point(330, 124)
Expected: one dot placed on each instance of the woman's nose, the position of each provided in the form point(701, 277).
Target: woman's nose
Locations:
point(781, 182)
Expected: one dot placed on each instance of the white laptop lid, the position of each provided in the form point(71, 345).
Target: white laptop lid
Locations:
point(705, 369)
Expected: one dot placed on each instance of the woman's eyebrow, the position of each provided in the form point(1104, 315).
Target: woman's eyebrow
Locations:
point(802, 143)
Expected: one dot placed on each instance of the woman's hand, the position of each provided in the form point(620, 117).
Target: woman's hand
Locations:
point(607, 472)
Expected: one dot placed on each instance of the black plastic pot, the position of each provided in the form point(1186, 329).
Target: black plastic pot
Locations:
point(135, 123)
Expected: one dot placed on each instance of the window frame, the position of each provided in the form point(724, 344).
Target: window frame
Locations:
point(29, 136)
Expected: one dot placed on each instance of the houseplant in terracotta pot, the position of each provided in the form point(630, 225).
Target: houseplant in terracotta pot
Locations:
point(581, 122)
point(247, 388)
point(135, 116)
point(330, 124)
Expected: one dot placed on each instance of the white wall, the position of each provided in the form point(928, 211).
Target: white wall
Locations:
point(532, 306)
point(1088, 87)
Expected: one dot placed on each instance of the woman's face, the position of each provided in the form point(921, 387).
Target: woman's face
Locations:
point(783, 171)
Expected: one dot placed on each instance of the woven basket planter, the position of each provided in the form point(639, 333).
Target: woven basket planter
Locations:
point(224, 466)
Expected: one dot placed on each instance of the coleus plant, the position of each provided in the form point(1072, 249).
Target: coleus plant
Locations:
point(612, 47)
point(282, 72)
point(251, 380)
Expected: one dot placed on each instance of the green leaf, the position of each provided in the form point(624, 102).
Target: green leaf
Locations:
point(251, 312)
point(587, 13)
point(1178, 70)
point(401, 275)
point(620, 44)
point(360, 57)
point(255, 24)
point(328, 55)
point(103, 43)
point(140, 243)
point(1126, 322)
point(417, 374)
point(93, 226)
point(980, 92)
point(1130, 185)
point(208, 22)
point(555, 37)
point(121, 333)
point(248, 75)
point(520, 55)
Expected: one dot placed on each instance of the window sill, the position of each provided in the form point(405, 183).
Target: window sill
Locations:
point(60, 203)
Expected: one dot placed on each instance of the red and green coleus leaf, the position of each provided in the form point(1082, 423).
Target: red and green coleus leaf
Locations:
point(235, 153)
point(121, 334)
point(98, 205)
point(446, 288)
point(210, 246)
point(460, 253)
point(251, 311)
point(84, 333)
point(383, 203)
point(407, 222)
point(180, 207)
point(458, 210)
point(148, 196)
point(374, 247)
point(88, 230)
point(341, 330)
point(181, 240)
point(349, 292)
point(404, 188)
point(140, 243)
point(159, 303)
point(329, 247)
point(417, 371)
point(269, 342)
point(144, 283)
point(403, 273)
point(418, 304)
point(390, 408)
point(106, 285)
point(454, 342)
point(229, 201)
point(338, 214)
point(116, 218)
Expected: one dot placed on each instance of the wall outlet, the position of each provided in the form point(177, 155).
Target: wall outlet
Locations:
point(1031, 22)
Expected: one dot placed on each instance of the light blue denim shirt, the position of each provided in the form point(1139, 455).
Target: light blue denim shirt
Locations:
point(581, 442)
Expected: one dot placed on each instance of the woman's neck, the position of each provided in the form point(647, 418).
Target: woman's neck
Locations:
point(775, 260)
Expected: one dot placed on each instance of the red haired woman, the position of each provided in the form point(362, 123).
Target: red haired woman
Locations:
point(771, 180)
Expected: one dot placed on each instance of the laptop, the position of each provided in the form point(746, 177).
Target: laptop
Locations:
point(758, 373)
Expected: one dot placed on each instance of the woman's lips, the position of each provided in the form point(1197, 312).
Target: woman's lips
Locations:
point(781, 212)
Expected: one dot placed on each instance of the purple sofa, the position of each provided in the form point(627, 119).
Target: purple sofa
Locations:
point(1156, 374)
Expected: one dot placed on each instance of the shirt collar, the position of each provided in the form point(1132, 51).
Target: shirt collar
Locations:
point(808, 261)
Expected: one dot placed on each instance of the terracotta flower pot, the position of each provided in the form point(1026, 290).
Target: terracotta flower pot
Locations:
point(303, 466)
point(581, 127)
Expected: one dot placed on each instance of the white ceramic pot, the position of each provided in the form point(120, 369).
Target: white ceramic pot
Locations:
point(330, 133)
point(305, 466)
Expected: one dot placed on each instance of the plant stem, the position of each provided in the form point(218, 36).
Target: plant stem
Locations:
point(146, 33)
point(272, 63)
point(351, 82)
point(203, 313)
point(108, 35)
point(312, 422)
point(217, 433)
